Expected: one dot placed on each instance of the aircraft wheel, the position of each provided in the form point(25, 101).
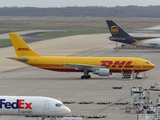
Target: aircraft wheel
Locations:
point(89, 76)
point(82, 77)
point(86, 77)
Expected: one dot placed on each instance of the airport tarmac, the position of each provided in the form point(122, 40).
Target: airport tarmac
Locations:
point(19, 79)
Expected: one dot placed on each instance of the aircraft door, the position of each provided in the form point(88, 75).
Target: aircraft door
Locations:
point(46, 106)
point(138, 64)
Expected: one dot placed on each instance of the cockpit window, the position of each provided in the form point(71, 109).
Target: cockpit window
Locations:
point(58, 104)
point(62, 104)
point(147, 63)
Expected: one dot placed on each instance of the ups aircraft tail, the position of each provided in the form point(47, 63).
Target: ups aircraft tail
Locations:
point(20, 46)
point(115, 30)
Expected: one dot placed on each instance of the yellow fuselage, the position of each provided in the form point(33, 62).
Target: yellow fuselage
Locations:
point(115, 64)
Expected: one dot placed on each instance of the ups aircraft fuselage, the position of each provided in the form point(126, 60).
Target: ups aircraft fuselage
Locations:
point(102, 66)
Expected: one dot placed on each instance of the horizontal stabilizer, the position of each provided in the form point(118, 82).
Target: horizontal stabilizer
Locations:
point(18, 59)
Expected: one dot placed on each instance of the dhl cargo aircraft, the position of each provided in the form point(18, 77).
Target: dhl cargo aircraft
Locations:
point(119, 35)
point(102, 66)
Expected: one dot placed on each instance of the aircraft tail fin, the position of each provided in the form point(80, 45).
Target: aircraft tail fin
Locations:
point(116, 30)
point(20, 46)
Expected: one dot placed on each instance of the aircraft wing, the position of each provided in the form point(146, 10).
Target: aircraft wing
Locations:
point(148, 43)
point(154, 44)
point(83, 66)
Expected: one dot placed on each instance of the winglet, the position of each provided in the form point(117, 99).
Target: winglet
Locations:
point(20, 46)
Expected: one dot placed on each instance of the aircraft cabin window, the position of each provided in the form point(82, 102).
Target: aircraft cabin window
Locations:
point(58, 104)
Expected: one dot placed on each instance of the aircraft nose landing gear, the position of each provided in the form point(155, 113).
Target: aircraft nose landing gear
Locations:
point(86, 75)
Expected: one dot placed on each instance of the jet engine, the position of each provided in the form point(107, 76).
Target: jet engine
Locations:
point(102, 72)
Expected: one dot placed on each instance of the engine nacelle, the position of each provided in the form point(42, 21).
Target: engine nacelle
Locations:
point(102, 72)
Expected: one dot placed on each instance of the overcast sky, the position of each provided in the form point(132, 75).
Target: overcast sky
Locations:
point(64, 3)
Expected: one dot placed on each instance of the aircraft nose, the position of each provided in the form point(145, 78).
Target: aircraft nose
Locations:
point(67, 110)
point(153, 66)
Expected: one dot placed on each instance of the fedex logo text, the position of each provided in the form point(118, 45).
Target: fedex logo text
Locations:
point(19, 104)
point(117, 64)
point(23, 49)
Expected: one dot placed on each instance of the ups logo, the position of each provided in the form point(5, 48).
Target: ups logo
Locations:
point(114, 29)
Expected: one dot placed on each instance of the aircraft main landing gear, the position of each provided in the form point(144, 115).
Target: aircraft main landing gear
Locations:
point(86, 75)
point(51, 117)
